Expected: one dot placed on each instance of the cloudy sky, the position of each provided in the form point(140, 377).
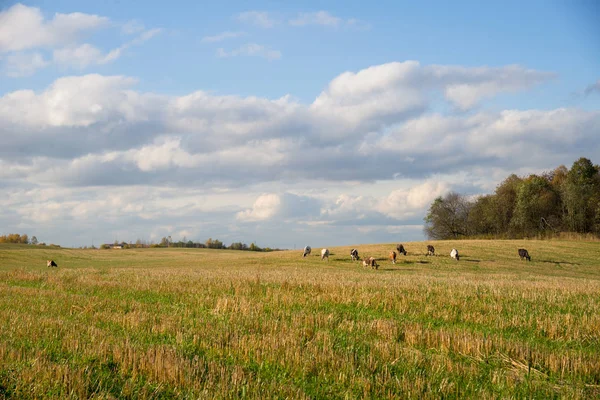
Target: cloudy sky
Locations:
point(321, 123)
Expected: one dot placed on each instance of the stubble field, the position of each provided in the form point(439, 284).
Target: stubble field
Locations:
point(199, 323)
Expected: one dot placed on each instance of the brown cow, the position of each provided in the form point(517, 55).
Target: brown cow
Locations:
point(430, 250)
point(401, 249)
point(370, 262)
point(393, 257)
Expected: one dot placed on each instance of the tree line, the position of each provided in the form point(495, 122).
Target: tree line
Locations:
point(167, 241)
point(562, 200)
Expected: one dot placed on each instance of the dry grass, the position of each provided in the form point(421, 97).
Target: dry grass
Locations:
point(177, 323)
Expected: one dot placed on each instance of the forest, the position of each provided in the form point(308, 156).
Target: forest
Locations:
point(558, 201)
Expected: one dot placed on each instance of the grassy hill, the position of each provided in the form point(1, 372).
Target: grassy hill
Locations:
point(190, 323)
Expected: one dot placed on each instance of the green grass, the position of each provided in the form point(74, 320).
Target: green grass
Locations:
point(198, 323)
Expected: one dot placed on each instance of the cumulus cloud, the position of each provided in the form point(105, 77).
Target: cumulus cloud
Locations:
point(404, 203)
point(365, 126)
point(251, 50)
point(370, 153)
point(391, 89)
point(23, 28)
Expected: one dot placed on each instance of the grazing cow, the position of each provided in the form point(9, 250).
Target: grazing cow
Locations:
point(393, 257)
point(307, 250)
point(454, 254)
point(325, 254)
point(524, 254)
point(430, 250)
point(370, 262)
point(51, 263)
point(401, 249)
point(354, 254)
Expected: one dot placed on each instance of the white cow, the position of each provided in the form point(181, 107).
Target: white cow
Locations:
point(454, 254)
point(307, 250)
point(325, 254)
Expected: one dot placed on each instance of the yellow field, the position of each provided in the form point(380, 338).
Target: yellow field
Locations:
point(198, 323)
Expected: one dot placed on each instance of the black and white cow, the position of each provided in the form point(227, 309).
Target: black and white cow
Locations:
point(307, 250)
point(325, 254)
point(524, 254)
point(430, 250)
point(51, 263)
point(454, 254)
point(354, 254)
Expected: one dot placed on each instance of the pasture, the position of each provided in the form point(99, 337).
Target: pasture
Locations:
point(199, 323)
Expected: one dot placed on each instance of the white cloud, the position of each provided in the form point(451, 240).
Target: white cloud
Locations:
point(21, 64)
point(262, 19)
point(23, 28)
point(265, 207)
point(251, 50)
point(395, 88)
point(404, 203)
point(222, 36)
point(78, 57)
point(316, 18)
point(70, 101)
point(366, 126)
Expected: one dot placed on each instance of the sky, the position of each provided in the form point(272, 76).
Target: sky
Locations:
point(304, 123)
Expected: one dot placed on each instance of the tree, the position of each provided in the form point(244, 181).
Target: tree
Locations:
point(505, 200)
point(537, 204)
point(581, 196)
point(482, 216)
point(448, 217)
point(34, 240)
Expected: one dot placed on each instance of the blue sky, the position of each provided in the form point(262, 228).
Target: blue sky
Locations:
point(184, 98)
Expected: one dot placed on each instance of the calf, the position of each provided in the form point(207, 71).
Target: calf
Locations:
point(51, 263)
point(354, 254)
point(325, 254)
point(370, 262)
point(430, 250)
point(524, 254)
point(393, 257)
point(307, 250)
point(401, 249)
point(454, 254)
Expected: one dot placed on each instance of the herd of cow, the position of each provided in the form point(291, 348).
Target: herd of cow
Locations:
point(372, 262)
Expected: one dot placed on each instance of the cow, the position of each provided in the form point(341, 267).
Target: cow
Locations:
point(393, 257)
point(430, 250)
point(370, 262)
point(325, 254)
point(454, 254)
point(401, 249)
point(354, 254)
point(51, 263)
point(524, 254)
point(307, 250)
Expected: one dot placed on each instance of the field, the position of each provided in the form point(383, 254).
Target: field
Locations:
point(199, 323)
